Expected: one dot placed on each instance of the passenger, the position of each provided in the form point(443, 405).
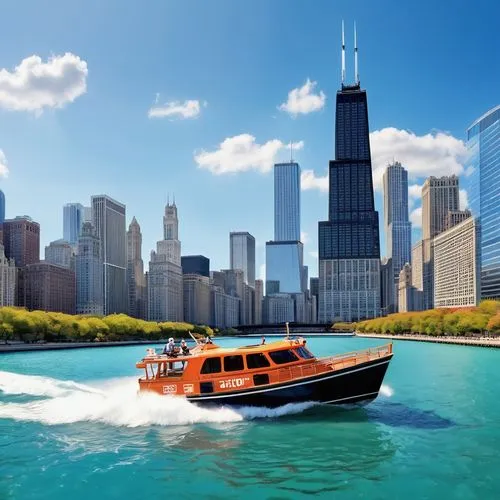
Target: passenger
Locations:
point(184, 348)
point(263, 340)
point(169, 349)
point(208, 340)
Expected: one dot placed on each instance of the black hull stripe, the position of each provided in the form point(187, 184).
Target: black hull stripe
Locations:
point(285, 386)
point(350, 397)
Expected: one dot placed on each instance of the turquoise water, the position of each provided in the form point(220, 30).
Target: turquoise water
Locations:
point(72, 426)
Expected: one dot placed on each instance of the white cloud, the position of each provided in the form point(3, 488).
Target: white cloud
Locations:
point(304, 237)
point(176, 109)
point(308, 180)
point(436, 153)
point(35, 85)
point(416, 217)
point(241, 153)
point(4, 170)
point(262, 273)
point(314, 255)
point(303, 100)
point(463, 199)
point(415, 191)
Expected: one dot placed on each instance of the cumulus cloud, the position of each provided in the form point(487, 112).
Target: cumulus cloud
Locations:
point(303, 100)
point(35, 85)
point(416, 217)
point(309, 180)
point(462, 198)
point(436, 153)
point(242, 153)
point(4, 171)
point(175, 109)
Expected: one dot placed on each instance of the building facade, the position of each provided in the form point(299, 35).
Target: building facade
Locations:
point(454, 217)
point(60, 253)
point(136, 281)
point(349, 248)
point(2, 206)
point(259, 296)
point(483, 189)
point(109, 223)
point(8, 277)
point(417, 275)
point(396, 222)
point(440, 195)
point(196, 264)
point(457, 275)
point(49, 287)
point(21, 239)
point(196, 299)
point(386, 287)
point(89, 273)
point(287, 202)
point(73, 219)
point(165, 284)
point(405, 290)
point(278, 308)
point(242, 255)
point(284, 267)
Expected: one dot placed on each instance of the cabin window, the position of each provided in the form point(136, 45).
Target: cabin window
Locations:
point(304, 353)
point(260, 379)
point(282, 357)
point(211, 365)
point(233, 363)
point(257, 360)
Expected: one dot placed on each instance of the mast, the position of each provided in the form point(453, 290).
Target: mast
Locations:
point(343, 54)
point(356, 74)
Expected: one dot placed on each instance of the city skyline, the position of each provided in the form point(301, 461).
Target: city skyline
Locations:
point(77, 150)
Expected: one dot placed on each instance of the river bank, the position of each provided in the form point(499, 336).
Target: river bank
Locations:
point(54, 346)
point(478, 342)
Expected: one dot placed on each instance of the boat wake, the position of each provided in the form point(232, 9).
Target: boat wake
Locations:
point(115, 402)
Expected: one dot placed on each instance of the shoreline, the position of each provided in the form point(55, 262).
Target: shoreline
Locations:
point(474, 342)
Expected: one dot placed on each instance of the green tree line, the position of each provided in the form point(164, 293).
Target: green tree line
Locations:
point(32, 326)
point(460, 321)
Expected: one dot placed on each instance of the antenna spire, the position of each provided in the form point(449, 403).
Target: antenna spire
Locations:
point(356, 74)
point(291, 152)
point(343, 54)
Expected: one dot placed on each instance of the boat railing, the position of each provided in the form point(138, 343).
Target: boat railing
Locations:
point(333, 363)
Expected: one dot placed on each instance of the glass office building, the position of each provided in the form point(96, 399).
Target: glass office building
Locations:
point(284, 267)
point(483, 189)
point(286, 202)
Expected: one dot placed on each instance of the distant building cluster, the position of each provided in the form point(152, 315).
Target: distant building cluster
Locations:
point(97, 267)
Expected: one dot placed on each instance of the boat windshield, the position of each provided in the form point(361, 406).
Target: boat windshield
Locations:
point(283, 356)
point(304, 353)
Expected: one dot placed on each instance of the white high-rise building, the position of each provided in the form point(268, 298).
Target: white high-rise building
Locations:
point(165, 284)
point(242, 255)
point(7, 279)
point(61, 253)
point(89, 273)
point(109, 223)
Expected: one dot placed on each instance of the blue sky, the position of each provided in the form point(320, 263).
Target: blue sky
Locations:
point(78, 124)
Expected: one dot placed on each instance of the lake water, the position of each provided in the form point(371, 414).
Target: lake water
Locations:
point(72, 426)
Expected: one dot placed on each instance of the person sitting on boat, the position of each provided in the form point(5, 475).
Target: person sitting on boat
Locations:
point(184, 348)
point(169, 349)
point(208, 340)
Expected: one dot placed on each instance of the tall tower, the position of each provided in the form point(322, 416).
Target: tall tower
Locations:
point(73, 219)
point(440, 195)
point(164, 284)
point(109, 223)
point(242, 255)
point(136, 281)
point(349, 248)
point(286, 201)
point(483, 143)
point(396, 224)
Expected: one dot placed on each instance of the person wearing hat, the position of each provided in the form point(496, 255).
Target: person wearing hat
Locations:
point(184, 348)
point(169, 348)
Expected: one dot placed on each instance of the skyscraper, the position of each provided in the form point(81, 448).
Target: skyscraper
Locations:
point(136, 281)
point(164, 283)
point(396, 222)
point(89, 273)
point(242, 255)
point(2, 206)
point(349, 249)
point(287, 202)
point(196, 264)
point(73, 218)
point(483, 143)
point(440, 195)
point(7, 279)
point(61, 253)
point(109, 223)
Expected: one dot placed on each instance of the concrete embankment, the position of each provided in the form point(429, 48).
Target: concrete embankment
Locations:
point(478, 342)
point(54, 346)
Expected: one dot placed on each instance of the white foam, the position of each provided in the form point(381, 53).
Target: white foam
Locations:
point(116, 402)
point(386, 391)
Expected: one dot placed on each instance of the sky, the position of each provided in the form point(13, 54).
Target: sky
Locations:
point(148, 100)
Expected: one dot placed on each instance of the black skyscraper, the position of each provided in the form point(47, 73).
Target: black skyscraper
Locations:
point(349, 248)
point(351, 231)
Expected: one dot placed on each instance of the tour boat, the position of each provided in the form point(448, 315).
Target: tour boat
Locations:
point(267, 375)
